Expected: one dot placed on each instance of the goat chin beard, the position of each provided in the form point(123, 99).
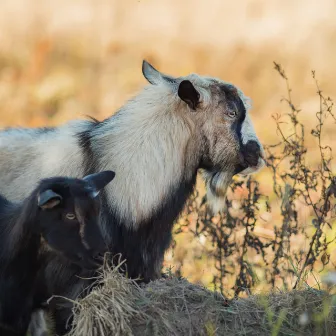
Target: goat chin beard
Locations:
point(217, 185)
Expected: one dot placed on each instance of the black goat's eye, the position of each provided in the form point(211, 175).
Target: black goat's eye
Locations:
point(70, 216)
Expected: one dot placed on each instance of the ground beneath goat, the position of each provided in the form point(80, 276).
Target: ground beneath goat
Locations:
point(176, 307)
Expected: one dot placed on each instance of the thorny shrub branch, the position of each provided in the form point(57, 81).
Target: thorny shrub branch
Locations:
point(296, 186)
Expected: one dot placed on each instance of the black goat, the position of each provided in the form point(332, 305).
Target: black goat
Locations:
point(60, 214)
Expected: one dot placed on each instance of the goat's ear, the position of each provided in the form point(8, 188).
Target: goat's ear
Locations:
point(48, 199)
point(188, 94)
point(99, 180)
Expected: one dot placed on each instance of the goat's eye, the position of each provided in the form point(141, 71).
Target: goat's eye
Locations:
point(70, 216)
point(231, 110)
point(232, 114)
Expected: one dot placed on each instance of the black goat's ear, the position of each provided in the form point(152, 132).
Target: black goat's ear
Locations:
point(99, 180)
point(189, 94)
point(48, 199)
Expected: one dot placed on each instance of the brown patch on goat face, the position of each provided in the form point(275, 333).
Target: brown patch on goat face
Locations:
point(81, 220)
point(88, 216)
point(216, 121)
point(45, 247)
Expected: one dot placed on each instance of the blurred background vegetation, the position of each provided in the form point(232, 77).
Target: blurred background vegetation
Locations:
point(61, 60)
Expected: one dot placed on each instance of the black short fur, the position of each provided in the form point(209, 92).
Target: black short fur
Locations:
point(143, 248)
point(22, 225)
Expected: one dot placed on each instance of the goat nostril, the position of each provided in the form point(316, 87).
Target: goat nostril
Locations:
point(252, 146)
point(252, 153)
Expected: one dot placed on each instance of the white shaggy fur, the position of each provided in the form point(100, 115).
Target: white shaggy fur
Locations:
point(145, 143)
point(46, 154)
point(152, 143)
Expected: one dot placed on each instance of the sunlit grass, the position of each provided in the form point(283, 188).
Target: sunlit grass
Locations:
point(60, 61)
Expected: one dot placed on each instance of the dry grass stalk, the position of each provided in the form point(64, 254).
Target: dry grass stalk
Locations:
point(174, 306)
point(108, 309)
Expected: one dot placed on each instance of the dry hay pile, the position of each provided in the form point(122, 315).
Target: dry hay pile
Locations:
point(176, 307)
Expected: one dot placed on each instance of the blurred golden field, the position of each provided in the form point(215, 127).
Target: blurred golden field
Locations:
point(61, 60)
